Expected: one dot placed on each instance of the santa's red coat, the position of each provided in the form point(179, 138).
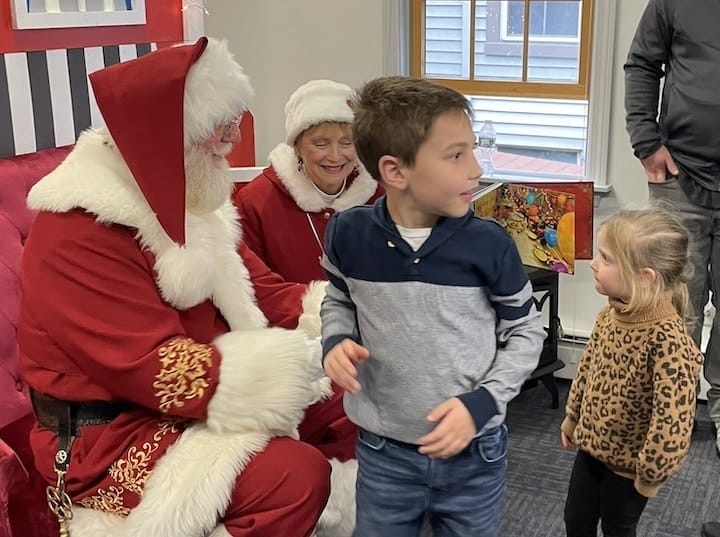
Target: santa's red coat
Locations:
point(114, 311)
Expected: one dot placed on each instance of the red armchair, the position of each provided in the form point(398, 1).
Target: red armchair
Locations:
point(23, 511)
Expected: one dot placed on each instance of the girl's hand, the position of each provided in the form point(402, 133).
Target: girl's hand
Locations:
point(565, 441)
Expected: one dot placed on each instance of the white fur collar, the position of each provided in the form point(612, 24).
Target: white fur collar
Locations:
point(94, 177)
point(284, 161)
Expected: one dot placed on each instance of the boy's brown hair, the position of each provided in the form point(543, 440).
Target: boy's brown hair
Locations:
point(394, 115)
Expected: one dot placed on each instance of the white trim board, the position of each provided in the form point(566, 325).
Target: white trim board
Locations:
point(245, 174)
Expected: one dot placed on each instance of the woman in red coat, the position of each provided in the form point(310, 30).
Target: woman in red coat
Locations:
point(312, 175)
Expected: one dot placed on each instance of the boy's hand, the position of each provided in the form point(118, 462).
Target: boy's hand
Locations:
point(452, 434)
point(565, 441)
point(340, 362)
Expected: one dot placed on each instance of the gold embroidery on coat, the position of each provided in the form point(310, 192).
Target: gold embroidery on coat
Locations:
point(109, 500)
point(133, 471)
point(130, 473)
point(184, 366)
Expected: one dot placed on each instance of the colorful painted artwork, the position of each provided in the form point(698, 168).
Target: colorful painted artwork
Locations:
point(541, 221)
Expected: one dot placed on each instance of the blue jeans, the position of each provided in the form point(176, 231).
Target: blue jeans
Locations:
point(397, 487)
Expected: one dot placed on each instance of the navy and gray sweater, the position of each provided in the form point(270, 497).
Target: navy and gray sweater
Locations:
point(454, 319)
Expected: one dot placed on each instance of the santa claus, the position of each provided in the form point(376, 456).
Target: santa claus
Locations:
point(167, 406)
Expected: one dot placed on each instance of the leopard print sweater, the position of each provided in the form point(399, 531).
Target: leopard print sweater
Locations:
point(632, 402)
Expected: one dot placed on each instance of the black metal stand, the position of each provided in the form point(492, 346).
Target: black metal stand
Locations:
point(545, 284)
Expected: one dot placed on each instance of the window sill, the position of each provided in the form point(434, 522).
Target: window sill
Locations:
point(529, 177)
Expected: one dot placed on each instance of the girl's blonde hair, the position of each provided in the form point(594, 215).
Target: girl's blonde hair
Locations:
point(654, 239)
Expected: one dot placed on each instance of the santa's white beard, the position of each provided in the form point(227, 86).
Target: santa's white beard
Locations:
point(207, 180)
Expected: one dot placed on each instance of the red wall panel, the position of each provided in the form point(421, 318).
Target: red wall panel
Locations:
point(243, 154)
point(164, 24)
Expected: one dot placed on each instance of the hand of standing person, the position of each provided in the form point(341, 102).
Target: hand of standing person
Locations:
point(658, 165)
point(339, 364)
point(454, 430)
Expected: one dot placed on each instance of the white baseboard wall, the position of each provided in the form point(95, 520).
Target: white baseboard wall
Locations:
point(569, 352)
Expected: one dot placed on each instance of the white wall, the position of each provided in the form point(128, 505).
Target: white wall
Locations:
point(284, 43)
point(343, 40)
point(579, 303)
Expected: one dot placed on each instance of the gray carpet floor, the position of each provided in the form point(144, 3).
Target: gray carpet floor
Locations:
point(539, 472)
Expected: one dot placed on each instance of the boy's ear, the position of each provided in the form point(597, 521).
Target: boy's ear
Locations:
point(392, 172)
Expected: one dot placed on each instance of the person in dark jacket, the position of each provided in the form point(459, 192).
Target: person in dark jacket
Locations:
point(680, 148)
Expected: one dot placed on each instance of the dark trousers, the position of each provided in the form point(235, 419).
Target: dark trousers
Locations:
point(596, 493)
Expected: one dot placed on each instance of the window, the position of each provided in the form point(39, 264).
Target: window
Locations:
point(529, 74)
point(75, 13)
point(549, 20)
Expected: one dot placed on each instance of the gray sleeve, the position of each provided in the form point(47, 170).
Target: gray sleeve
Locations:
point(649, 52)
point(520, 342)
point(338, 317)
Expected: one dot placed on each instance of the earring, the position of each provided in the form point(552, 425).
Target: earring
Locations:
point(300, 164)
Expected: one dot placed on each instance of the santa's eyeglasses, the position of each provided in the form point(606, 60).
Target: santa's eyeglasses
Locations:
point(230, 130)
point(227, 133)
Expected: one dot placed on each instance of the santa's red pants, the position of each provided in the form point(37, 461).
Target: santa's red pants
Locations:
point(327, 428)
point(282, 491)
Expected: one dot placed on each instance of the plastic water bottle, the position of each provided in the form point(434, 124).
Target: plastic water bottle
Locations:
point(486, 146)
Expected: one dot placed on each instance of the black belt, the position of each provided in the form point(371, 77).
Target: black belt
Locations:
point(372, 437)
point(65, 418)
point(56, 414)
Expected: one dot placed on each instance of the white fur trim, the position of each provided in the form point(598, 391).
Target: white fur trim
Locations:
point(309, 321)
point(338, 518)
point(186, 491)
point(233, 292)
point(220, 531)
point(216, 91)
point(316, 356)
point(315, 102)
point(284, 161)
point(95, 177)
point(88, 523)
point(267, 380)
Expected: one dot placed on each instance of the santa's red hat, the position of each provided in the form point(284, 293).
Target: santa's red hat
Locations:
point(162, 102)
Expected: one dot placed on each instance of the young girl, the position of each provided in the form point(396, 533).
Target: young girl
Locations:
point(631, 406)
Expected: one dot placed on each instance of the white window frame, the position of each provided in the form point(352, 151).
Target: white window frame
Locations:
point(396, 60)
point(194, 12)
point(535, 38)
point(22, 19)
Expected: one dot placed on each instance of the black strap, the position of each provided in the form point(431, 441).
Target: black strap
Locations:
point(66, 418)
point(65, 438)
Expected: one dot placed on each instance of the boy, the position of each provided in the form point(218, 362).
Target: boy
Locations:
point(428, 321)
